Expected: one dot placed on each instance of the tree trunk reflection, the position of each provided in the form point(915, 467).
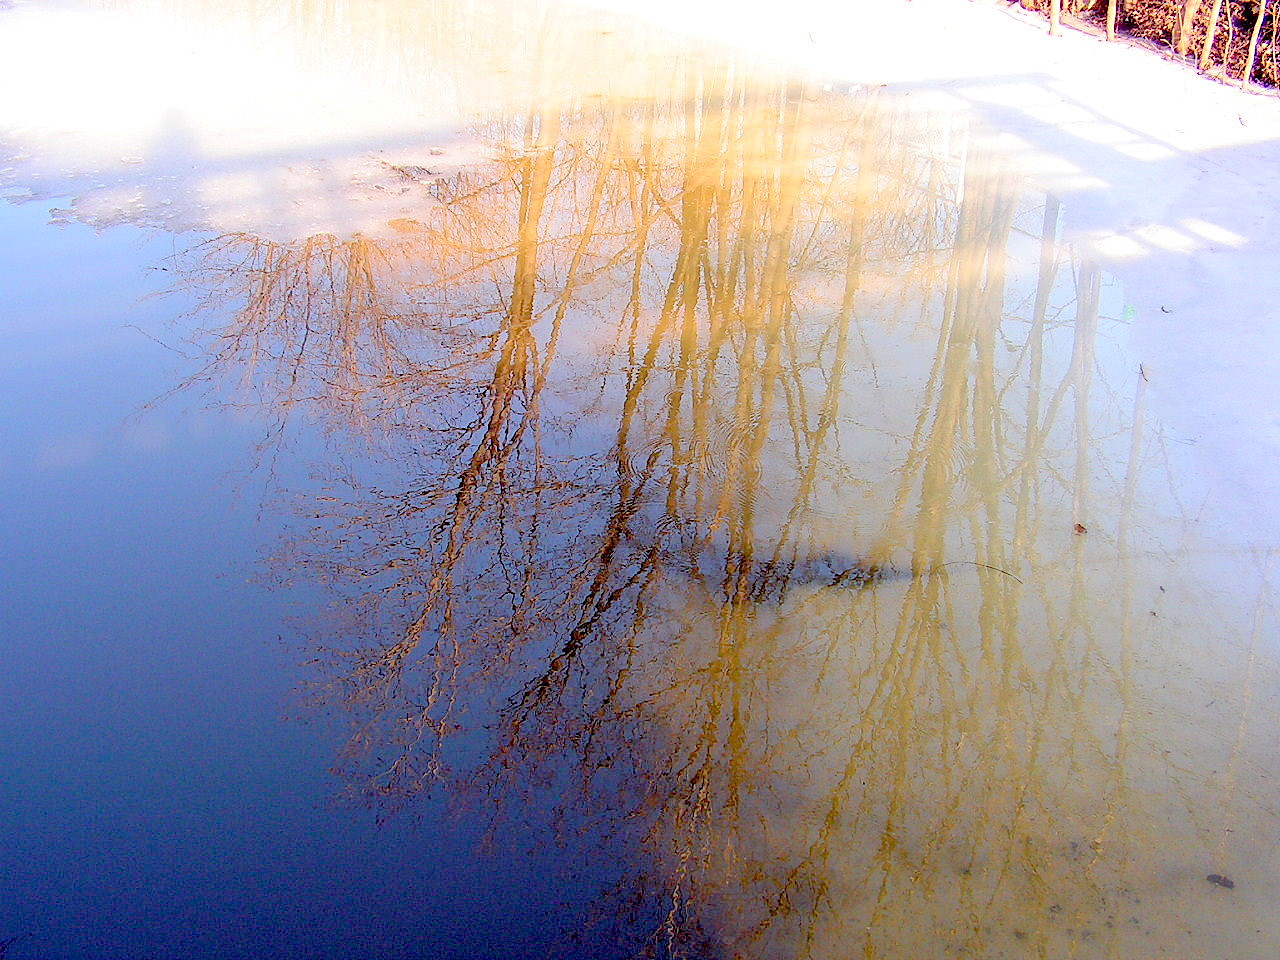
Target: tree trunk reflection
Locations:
point(749, 469)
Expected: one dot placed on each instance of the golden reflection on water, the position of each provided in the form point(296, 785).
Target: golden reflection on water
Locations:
point(760, 458)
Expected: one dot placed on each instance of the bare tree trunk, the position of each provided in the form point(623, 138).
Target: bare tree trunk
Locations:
point(1231, 38)
point(1206, 51)
point(1253, 44)
point(1055, 17)
point(1111, 19)
point(1185, 26)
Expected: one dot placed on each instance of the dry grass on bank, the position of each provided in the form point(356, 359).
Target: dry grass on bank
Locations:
point(1231, 39)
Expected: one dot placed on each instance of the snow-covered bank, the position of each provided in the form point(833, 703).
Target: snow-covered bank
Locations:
point(1171, 180)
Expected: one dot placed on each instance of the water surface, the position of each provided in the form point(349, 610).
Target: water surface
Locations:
point(728, 493)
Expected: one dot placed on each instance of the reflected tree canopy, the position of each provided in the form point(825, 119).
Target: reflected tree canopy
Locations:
point(758, 478)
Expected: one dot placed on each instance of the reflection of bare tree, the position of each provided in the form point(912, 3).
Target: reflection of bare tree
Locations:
point(775, 587)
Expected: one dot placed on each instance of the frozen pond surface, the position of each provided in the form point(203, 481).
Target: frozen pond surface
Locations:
point(703, 513)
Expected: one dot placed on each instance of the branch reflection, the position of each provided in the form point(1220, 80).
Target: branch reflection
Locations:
point(758, 479)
